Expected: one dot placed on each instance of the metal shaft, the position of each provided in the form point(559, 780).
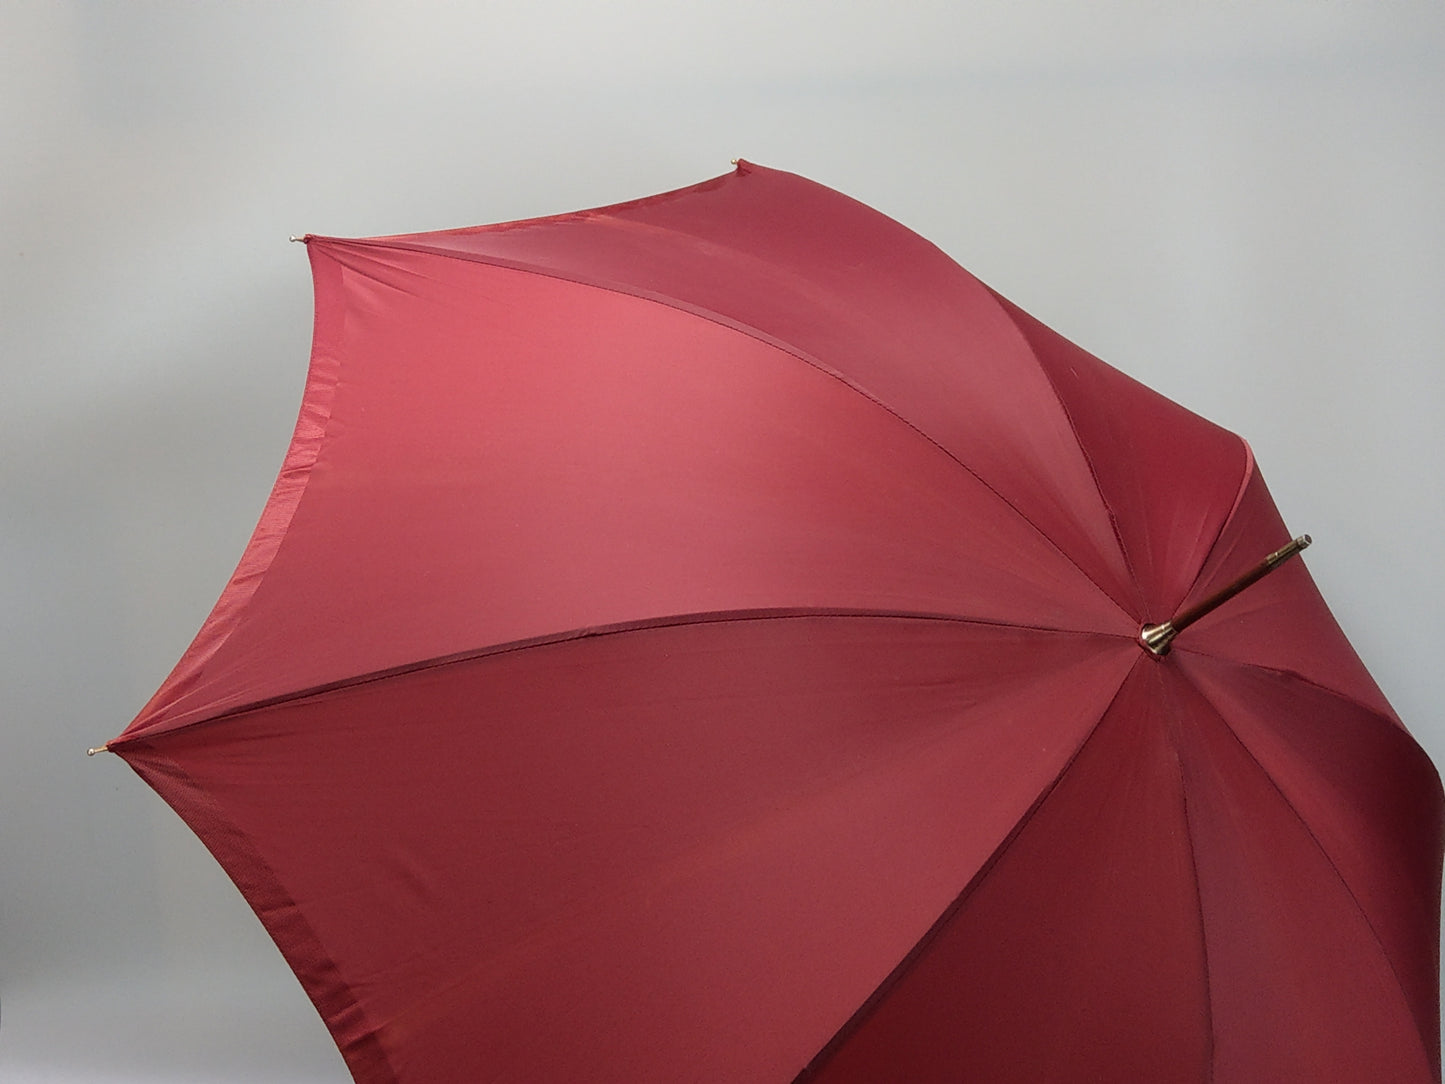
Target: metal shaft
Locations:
point(1157, 638)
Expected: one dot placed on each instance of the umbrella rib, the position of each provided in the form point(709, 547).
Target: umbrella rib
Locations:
point(1249, 466)
point(740, 168)
point(1198, 896)
point(1295, 675)
point(850, 1027)
point(1083, 452)
point(584, 633)
point(1250, 469)
point(1315, 839)
point(749, 330)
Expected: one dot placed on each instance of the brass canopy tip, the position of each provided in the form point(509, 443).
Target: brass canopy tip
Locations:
point(1156, 638)
point(98, 749)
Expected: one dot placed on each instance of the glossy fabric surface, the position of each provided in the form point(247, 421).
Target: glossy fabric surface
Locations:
point(697, 640)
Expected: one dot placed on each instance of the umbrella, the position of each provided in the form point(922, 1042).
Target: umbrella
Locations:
point(717, 638)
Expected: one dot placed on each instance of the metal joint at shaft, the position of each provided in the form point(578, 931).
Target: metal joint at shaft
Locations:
point(1157, 638)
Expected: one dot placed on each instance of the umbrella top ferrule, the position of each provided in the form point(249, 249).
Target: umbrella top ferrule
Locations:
point(1284, 553)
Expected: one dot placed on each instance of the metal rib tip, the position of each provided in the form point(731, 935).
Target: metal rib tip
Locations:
point(98, 749)
point(1284, 553)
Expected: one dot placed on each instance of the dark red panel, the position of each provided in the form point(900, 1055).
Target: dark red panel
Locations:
point(673, 853)
point(1301, 987)
point(1370, 798)
point(1078, 955)
point(1169, 478)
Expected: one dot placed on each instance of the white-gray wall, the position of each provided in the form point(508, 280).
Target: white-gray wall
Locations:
point(1238, 203)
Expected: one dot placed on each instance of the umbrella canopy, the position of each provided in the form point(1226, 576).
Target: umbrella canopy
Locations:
point(700, 639)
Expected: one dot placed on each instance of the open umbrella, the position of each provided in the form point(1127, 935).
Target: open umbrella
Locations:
point(705, 639)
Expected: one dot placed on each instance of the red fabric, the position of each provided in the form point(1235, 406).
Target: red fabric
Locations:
point(697, 640)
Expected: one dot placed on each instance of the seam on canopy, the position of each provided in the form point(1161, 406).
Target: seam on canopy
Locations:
point(732, 324)
point(1329, 859)
point(1177, 744)
point(183, 722)
point(850, 1027)
point(286, 925)
point(1250, 469)
point(1281, 671)
point(287, 492)
point(1078, 443)
point(741, 169)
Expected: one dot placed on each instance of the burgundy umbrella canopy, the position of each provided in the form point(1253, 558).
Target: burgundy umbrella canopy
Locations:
point(700, 639)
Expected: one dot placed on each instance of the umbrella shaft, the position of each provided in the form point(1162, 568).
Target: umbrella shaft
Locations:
point(1157, 638)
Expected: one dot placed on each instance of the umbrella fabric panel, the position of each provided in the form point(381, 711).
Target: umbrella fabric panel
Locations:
point(1300, 988)
point(1369, 798)
point(508, 455)
point(680, 852)
point(859, 295)
point(1170, 479)
point(1078, 952)
point(1172, 911)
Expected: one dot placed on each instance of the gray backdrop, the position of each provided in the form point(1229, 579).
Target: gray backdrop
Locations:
point(1237, 203)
